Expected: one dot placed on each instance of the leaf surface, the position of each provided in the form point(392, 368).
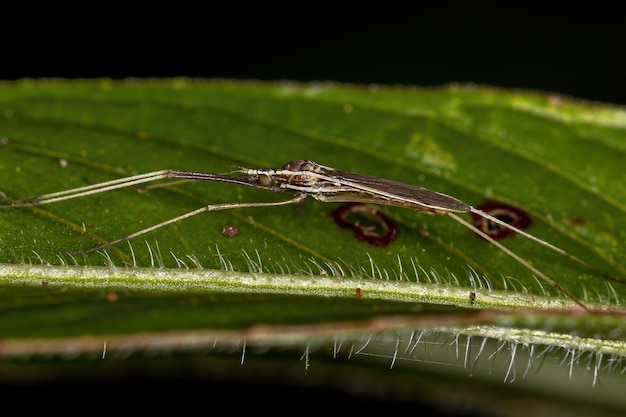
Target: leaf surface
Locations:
point(291, 278)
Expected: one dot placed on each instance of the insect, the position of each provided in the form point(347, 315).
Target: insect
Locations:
point(304, 178)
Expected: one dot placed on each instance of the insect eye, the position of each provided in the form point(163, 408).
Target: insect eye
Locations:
point(265, 179)
point(300, 166)
point(293, 165)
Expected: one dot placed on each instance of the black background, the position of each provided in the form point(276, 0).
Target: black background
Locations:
point(576, 50)
point(573, 49)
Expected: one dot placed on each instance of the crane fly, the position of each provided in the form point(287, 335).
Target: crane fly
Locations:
point(304, 178)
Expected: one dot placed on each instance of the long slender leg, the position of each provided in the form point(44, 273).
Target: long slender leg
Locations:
point(86, 190)
point(212, 207)
point(522, 261)
point(247, 180)
point(546, 244)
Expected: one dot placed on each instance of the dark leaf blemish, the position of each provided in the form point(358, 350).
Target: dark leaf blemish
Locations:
point(229, 231)
point(369, 224)
point(509, 214)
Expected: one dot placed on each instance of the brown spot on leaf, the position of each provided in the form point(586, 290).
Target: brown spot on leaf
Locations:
point(507, 213)
point(369, 224)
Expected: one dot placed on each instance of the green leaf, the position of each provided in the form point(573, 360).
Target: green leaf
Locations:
point(292, 283)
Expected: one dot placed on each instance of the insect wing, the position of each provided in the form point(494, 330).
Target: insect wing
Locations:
point(397, 193)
